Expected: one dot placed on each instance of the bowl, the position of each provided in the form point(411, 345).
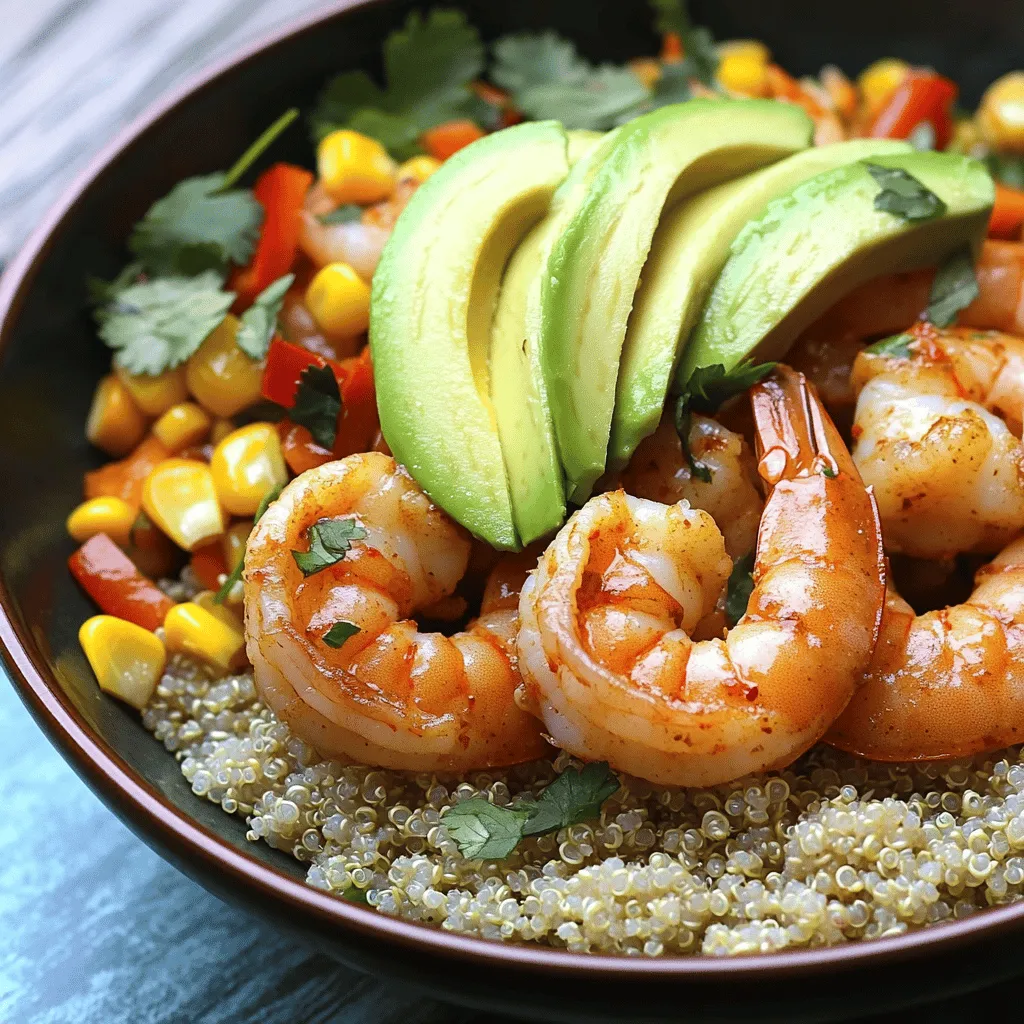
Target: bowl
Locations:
point(49, 364)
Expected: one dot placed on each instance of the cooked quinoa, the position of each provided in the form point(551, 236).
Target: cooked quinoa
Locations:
point(831, 850)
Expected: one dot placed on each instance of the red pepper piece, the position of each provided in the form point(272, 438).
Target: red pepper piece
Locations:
point(300, 451)
point(285, 363)
point(922, 97)
point(111, 579)
point(358, 423)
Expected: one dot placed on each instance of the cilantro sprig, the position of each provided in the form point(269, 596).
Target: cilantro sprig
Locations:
point(259, 321)
point(708, 388)
point(236, 574)
point(739, 588)
point(485, 831)
point(955, 287)
point(341, 631)
point(348, 213)
point(700, 55)
point(329, 541)
point(897, 346)
point(428, 67)
point(317, 404)
point(903, 195)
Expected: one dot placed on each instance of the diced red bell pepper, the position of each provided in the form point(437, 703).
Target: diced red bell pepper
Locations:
point(300, 451)
point(358, 423)
point(123, 479)
point(281, 191)
point(111, 579)
point(923, 96)
point(285, 363)
point(1007, 214)
point(208, 564)
point(445, 140)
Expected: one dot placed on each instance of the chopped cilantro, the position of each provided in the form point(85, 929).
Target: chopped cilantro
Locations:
point(897, 346)
point(700, 56)
point(739, 589)
point(683, 421)
point(485, 831)
point(101, 292)
point(156, 325)
point(236, 574)
point(260, 319)
point(353, 894)
point(903, 195)
point(528, 59)
point(258, 148)
point(329, 542)
point(339, 633)
point(428, 66)
point(955, 287)
point(350, 213)
point(317, 404)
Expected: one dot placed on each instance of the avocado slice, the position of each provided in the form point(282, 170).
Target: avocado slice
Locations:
point(821, 240)
point(689, 250)
point(432, 302)
point(591, 275)
point(518, 390)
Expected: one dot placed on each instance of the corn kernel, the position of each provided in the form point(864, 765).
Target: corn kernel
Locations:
point(206, 599)
point(744, 73)
point(116, 424)
point(753, 49)
point(220, 429)
point(339, 301)
point(220, 376)
point(418, 168)
point(878, 81)
point(111, 516)
point(246, 465)
point(127, 659)
point(182, 426)
point(191, 629)
point(234, 542)
point(180, 497)
point(1001, 114)
point(355, 168)
point(155, 395)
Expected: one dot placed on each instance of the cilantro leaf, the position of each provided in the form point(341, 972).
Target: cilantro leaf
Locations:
point(428, 65)
point(267, 137)
point(236, 574)
point(1007, 169)
point(317, 404)
point(955, 287)
point(197, 227)
point(672, 86)
point(260, 319)
point(349, 213)
point(897, 346)
point(339, 633)
point(156, 325)
point(903, 195)
point(684, 421)
point(526, 59)
point(700, 56)
point(739, 589)
point(573, 797)
point(353, 894)
point(483, 830)
point(102, 292)
point(329, 542)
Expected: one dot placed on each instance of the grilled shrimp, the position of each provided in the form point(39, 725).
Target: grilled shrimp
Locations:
point(948, 683)
point(948, 473)
point(658, 471)
point(389, 695)
point(604, 644)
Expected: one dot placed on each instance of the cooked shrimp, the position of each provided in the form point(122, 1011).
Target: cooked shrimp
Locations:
point(390, 695)
point(948, 683)
point(948, 474)
point(1000, 302)
point(659, 471)
point(604, 644)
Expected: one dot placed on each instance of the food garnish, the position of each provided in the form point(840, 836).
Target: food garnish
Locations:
point(236, 574)
point(902, 194)
point(318, 404)
point(700, 55)
point(259, 321)
point(739, 588)
point(329, 541)
point(897, 346)
point(348, 213)
point(955, 287)
point(339, 633)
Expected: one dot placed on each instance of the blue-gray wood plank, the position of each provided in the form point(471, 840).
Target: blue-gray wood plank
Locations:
point(94, 927)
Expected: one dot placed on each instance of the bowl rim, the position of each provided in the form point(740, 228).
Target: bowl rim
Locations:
point(133, 798)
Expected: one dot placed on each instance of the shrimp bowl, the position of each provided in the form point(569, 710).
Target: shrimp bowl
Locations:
point(548, 507)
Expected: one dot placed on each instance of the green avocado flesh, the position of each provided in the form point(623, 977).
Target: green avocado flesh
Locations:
point(433, 300)
point(821, 240)
point(591, 275)
point(518, 391)
point(689, 250)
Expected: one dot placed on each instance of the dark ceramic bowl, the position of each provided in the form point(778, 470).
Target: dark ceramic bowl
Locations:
point(50, 364)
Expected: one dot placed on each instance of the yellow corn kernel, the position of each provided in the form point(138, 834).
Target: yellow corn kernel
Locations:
point(220, 429)
point(418, 168)
point(115, 424)
point(744, 72)
point(220, 376)
point(878, 80)
point(647, 69)
point(155, 395)
point(111, 516)
point(1001, 114)
point(127, 659)
point(339, 300)
point(182, 426)
point(180, 497)
point(206, 599)
point(246, 465)
point(355, 168)
point(191, 629)
point(234, 541)
point(753, 49)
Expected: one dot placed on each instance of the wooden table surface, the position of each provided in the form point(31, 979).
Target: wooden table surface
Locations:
point(94, 927)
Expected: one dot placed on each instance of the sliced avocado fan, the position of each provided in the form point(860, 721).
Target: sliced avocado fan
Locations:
point(432, 304)
point(689, 250)
point(590, 277)
point(821, 240)
point(518, 391)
